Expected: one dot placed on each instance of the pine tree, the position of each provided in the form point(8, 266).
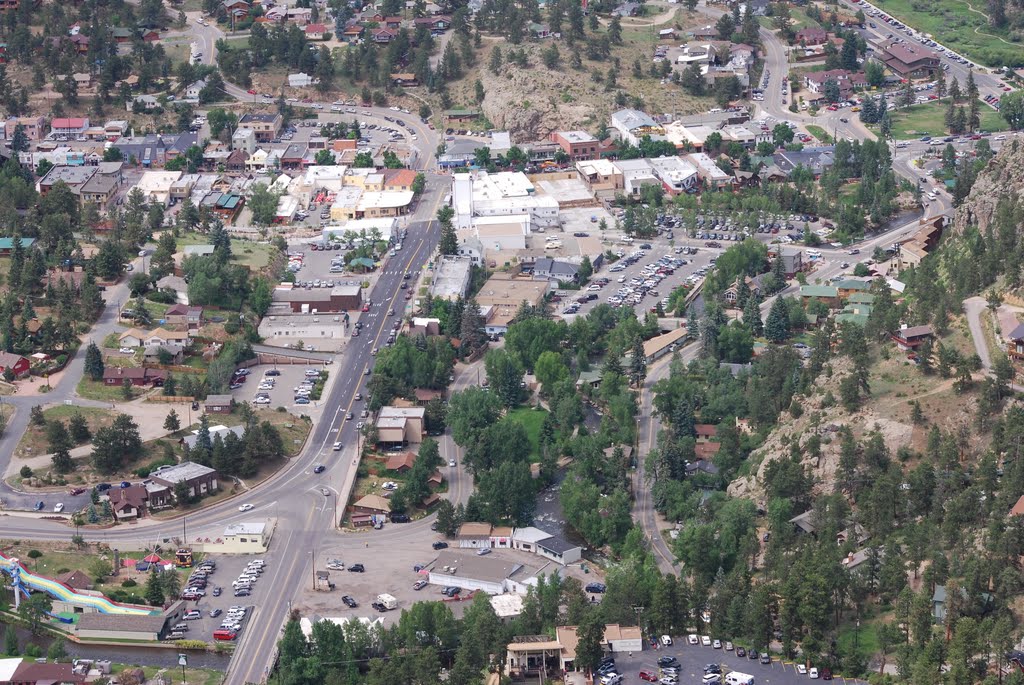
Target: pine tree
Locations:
point(94, 362)
point(154, 590)
point(776, 328)
point(62, 461)
point(171, 423)
point(495, 63)
point(752, 316)
point(638, 364)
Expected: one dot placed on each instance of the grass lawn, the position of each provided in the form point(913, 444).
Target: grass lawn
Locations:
point(531, 419)
point(33, 442)
point(952, 23)
point(246, 252)
point(929, 119)
point(866, 638)
point(819, 133)
point(96, 390)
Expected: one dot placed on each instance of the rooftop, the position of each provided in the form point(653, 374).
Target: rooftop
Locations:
point(245, 528)
point(184, 471)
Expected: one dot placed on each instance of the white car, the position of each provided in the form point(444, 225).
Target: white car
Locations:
point(801, 669)
point(336, 447)
point(126, 350)
point(692, 639)
point(717, 644)
point(814, 674)
point(246, 507)
point(705, 640)
point(58, 507)
point(451, 463)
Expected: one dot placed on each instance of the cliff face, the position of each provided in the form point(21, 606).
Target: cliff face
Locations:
point(1004, 176)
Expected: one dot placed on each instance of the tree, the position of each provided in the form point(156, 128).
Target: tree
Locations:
point(1012, 108)
point(590, 636)
point(94, 362)
point(154, 590)
point(495, 62)
point(449, 244)
point(35, 609)
point(57, 650)
point(171, 423)
point(782, 135)
point(324, 158)
point(11, 641)
point(831, 91)
point(615, 31)
point(182, 495)
point(505, 374)
point(776, 327)
point(62, 461)
point(79, 428)
point(263, 204)
point(638, 363)
point(447, 521)
point(874, 73)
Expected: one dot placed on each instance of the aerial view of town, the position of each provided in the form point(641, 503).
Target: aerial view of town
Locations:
point(482, 342)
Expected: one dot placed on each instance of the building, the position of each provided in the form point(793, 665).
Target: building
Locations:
point(193, 90)
point(632, 125)
point(909, 338)
point(713, 177)
point(451, 278)
point(792, 259)
point(578, 145)
point(219, 404)
point(69, 126)
point(811, 35)
point(556, 271)
point(177, 285)
point(474, 535)
point(246, 538)
point(265, 127)
point(559, 550)
point(190, 441)
point(371, 505)
point(74, 177)
point(676, 174)
point(200, 480)
point(489, 574)
point(599, 175)
point(814, 159)
point(34, 128)
point(401, 462)
point(660, 345)
point(532, 656)
point(637, 174)
point(183, 315)
point(156, 185)
point(118, 375)
point(128, 503)
point(17, 364)
point(155, 149)
point(501, 297)
point(400, 425)
point(340, 298)
point(847, 81)
point(910, 61)
point(828, 294)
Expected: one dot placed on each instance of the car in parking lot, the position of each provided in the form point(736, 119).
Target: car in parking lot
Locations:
point(192, 615)
point(356, 568)
point(596, 588)
point(419, 584)
point(349, 601)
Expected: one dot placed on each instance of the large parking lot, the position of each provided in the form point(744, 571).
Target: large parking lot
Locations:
point(285, 379)
point(227, 570)
point(693, 659)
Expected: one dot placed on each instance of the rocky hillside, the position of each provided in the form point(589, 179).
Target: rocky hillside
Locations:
point(1004, 176)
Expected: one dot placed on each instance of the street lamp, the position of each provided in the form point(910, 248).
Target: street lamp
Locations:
point(183, 662)
point(856, 638)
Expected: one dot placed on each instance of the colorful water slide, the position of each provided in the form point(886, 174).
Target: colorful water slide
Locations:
point(24, 579)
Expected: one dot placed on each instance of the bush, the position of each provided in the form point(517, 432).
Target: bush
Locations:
point(231, 327)
point(129, 583)
point(34, 554)
point(26, 472)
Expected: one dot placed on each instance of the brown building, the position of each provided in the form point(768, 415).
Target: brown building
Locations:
point(910, 61)
point(910, 338)
point(128, 503)
point(338, 299)
point(117, 375)
point(578, 145)
point(400, 463)
point(200, 480)
point(371, 505)
point(266, 127)
point(219, 404)
point(75, 580)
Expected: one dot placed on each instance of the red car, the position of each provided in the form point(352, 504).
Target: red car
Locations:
point(366, 307)
point(251, 91)
point(649, 676)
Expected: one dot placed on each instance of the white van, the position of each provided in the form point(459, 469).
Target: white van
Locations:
point(737, 678)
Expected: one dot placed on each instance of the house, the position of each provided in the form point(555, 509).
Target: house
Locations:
point(352, 34)
point(556, 271)
point(128, 503)
point(18, 365)
point(909, 338)
point(31, 672)
point(117, 376)
point(200, 480)
point(710, 174)
point(401, 462)
point(437, 25)
point(157, 353)
point(705, 431)
point(910, 61)
point(300, 80)
point(383, 35)
point(219, 404)
point(316, 32)
point(461, 114)
point(175, 284)
point(559, 550)
point(732, 293)
point(69, 126)
point(371, 505)
point(7, 245)
point(405, 79)
point(162, 336)
point(183, 315)
point(194, 89)
point(814, 159)
point(701, 466)
point(237, 8)
point(852, 286)
point(627, 9)
point(34, 128)
point(811, 36)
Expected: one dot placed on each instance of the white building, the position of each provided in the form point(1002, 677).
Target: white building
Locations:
point(489, 574)
point(156, 185)
point(632, 125)
point(244, 139)
point(675, 173)
point(286, 208)
point(451, 278)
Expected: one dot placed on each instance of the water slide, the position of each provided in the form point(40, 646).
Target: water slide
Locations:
point(62, 592)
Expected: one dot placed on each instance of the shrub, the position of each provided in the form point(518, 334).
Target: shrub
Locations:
point(34, 554)
point(26, 472)
point(129, 583)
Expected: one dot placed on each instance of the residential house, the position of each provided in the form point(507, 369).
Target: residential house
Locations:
point(811, 35)
point(846, 81)
point(69, 126)
point(183, 315)
point(194, 89)
point(140, 377)
point(400, 425)
point(851, 286)
point(316, 31)
point(731, 294)
point(353, 34)
point(627, 9)
point(909, 338)
point(815, 159)
point(18, 365)
point(371, 505)
point(175, 284)
point(828, 294)
point(437, 25)
point(218, 404)
point(405, 80)
point(158, 353)
point(383, 35)
point(556, 271)
point(128, 503)
point(34, 128)
point(237, 8)
point(401, 462)
point(80, 43)
point(121, 34)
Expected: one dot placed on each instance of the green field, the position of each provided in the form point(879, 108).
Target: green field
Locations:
point(245, 252)
point(531, 419)
point(928, 119)
point(952, 23)
point(819, 133)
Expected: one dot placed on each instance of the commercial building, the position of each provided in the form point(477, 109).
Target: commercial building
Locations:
point(97, 626)
point(340, 298)
point(599, 175)
point(530, 656)
point(245, 538)
point(578, 145)
point(400, 425)
point(910, 61)
point(156, 185)
point(325, 332)
point(451, 278)
point(709, 172)
point(34, 128)
point(676, 174)
point(503, 194)
point(156, 149)
point(200, 480)
point(632, 125)
point(501, 297)
point(489, 574)
point(846, 81)
point(636, 175)
point(265, 127)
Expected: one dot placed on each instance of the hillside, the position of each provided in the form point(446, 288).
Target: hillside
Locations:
point(1002, 177)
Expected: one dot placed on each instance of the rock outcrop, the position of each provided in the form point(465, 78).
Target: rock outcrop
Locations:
point(1004, 176)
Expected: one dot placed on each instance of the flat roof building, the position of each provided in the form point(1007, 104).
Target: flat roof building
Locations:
point(451, 278)
point(490, 574)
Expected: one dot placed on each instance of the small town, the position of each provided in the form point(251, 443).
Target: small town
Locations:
point(586, 341)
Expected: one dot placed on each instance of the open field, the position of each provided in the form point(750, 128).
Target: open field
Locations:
point(929, 119)
point(33, 442)
point(531, 419)
point(958, 24)
point(819, 133)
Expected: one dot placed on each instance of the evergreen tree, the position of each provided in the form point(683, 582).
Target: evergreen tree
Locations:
point(776, 328)
point(94, 362)
point(638, 363)
point(752, 316)
point(154, 590)
point(171, 423)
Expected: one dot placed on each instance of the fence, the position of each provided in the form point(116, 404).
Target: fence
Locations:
point(170, 399)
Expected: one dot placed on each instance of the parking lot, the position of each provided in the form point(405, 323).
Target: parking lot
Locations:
point(287, 378)
point(693, 659)
point(228, 570)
